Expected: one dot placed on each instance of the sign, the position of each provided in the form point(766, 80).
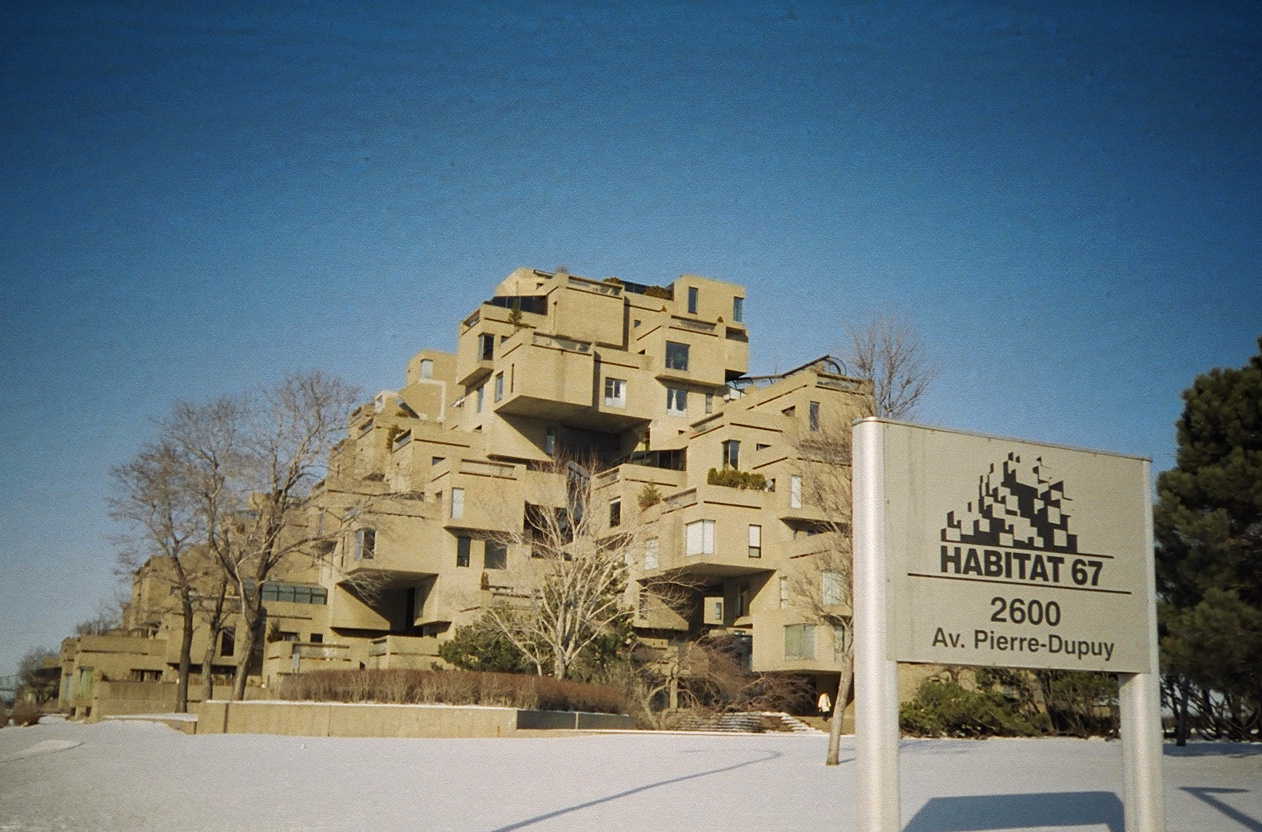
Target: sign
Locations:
point(1009, 553)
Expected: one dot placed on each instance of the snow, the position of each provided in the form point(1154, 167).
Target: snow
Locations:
point(127, 775)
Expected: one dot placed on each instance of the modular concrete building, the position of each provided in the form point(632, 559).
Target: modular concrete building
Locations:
point(647, 383)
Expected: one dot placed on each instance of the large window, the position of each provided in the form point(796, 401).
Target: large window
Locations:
point(799, 641)
point(732, 453)
point(699, 538)
point(462, 551)
point(755, 541)
point(832, 590)
point(294, 593)
point(227, 641)
point(457, 503)
point(616, 392)
point(495, 555)
point(676, 401)
point(365, 544)
point(694, 294)
point(486, 347)
point(738, 309)
point(676, 356)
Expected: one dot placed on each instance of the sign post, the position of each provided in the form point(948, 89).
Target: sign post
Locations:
point(979, 550)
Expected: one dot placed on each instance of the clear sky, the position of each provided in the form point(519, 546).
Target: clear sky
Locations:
point(1064, 199)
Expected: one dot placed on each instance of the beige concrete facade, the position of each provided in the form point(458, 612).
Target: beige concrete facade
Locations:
point(649, 380)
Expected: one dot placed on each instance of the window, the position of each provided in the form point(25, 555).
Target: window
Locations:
point(481, 396)
point(227, 642)
point(814, 416)
point(294, 593)
point(650, 554)
point(316, 638)
point(457, 503)
point(795, 491)
point(831, 589)
point(499, 386)
point(462, 551)
point(755, 541)
point(709, 402)
point(616, 392)
point(799, 641)
point(742, 599)
point(615, 512)
point(427, 368)
point(732, 453)
point(699, 538)
point(676, 356)
point(550, 441)
point(784, 592)
point(286, 635)
point(693, 296)
point(738, 309)
point(495, 555)
point(486, 351)
point(676, 401)
point(365, 544)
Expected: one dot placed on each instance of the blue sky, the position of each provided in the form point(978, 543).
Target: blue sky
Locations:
point(1064, 202)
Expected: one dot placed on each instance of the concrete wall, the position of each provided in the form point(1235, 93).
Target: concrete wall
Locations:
point(322, 719)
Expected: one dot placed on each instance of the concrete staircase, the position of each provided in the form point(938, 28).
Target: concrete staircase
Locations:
point(755, 722)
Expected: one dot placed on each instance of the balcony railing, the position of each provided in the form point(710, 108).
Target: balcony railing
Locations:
point(689, 323)
point(561, 343)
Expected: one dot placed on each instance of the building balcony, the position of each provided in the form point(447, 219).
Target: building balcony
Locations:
point(411, 652)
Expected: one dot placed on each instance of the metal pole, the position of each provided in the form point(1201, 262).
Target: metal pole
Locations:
point(876, 676)
point(1139, 702)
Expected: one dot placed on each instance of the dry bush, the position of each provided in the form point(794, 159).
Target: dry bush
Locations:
point(25, 713)
point(451, 687)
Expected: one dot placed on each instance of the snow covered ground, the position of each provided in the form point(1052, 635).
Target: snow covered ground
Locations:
point(144, 776)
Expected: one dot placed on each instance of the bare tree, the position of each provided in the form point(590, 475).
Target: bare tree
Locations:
point(34, 680)
point(574, 589)
point(891, 354)
point(254, 460)
point(153, 498)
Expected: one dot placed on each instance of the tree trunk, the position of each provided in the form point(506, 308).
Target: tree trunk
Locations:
point(208, 662)
point(251, 618)
point(840, 703)
point(186, 653)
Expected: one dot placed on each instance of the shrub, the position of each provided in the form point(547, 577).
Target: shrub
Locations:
point(451, 687)
point(650, 495)
point(481, 647)
point(943, 708)
point(25, 713)
point(736, 479)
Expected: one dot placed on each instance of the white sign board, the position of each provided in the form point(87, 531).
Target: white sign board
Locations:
point(1015, 554)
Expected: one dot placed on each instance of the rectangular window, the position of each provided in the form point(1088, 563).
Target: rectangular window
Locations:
point(699, 538)
point(427, 368)
point(616, 392)
point(512, 377)
point(738, 309)
point(316, 638)
point(457, 503)
point(732, 453)
point(795, 491)
point(481, 396)
point(650, 554)
point(365, 544)
point(462, 551)
point(495, 555)
point(486, 351)
point(831, 588)
point(227, 641)
point(799, 641)
point(814, 416)
point(784, 592)
point(755, 541)
point(676, 401)
point(742, 599)
point(550, 441)
point(499, 386)
point(615, 512)
point(693, 296)
point(676, 356)
point(709, 403)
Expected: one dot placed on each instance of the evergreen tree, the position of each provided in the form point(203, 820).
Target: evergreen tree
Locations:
point(1208, 525)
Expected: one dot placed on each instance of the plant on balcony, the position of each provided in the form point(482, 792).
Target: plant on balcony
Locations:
point(663, 292)
point(733, 478)
point(650, 495)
